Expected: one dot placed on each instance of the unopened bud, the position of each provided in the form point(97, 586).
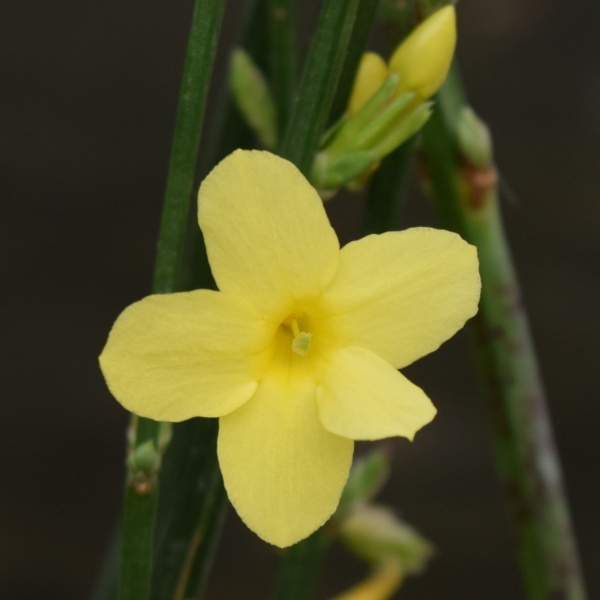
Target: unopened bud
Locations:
point(375, 534)
point(253, 97)
point(381, 584)
point(474, 139)
point(372, 72)
point(422, 60)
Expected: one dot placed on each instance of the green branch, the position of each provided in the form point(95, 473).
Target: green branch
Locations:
point(463, 183)
point(387, 192)
point(363, 24)
point(191, 510)
point(319, 82)
point(141, 494)
point(282, 57)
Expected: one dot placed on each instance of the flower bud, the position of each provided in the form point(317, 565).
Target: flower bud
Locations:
point(375, 534)
point(422, 60)
point(474, 139)
point(372, 72)
point(379, 585)
point(253, 97)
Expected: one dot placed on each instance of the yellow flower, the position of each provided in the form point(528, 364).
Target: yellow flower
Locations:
point(421, 61)
point(297, 353)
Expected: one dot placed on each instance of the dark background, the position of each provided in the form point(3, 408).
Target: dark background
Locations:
point(87, 101)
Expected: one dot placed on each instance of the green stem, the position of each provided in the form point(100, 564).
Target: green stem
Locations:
point(387, 190)
point(105, 586)
point(192, 505)
point(206, 24)
point(521, 430)
point(207, 535)
point(300, 566)
point(282, 58)
point(319, 82)
point(136, 544)
point(141, 495)
point(361, 31)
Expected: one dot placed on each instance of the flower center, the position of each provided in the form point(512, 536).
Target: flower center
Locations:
point(301, 339)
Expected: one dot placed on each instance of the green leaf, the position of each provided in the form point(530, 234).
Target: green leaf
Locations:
point(192, 504)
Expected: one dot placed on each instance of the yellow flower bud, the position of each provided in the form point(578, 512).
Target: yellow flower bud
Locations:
point(379, 585)
point(371, 74)
point(423, 59)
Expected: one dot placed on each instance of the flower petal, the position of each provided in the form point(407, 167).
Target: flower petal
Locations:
point(363, 397)
point(402, 294)
point(267, 235)
point(175, 356)
point(284, 473)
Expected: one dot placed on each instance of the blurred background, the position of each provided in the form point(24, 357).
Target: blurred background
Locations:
point(88, 93)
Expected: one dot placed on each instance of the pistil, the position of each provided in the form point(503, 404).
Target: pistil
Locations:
point(302, 339)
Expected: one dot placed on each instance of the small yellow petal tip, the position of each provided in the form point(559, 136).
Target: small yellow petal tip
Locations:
point(424, 58)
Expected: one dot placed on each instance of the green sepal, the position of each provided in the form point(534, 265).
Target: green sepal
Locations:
point(403, 130)
point(367, 119)
point(330, 172)
point(386, 121)
point(334, 167)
